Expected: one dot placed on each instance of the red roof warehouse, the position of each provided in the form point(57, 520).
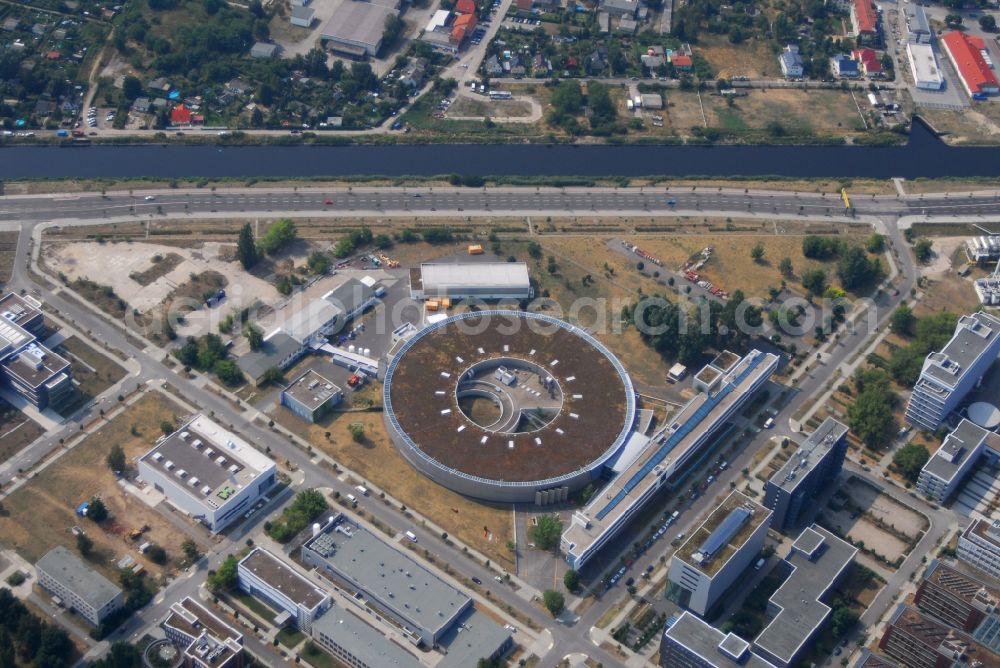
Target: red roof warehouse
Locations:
point(864, 18)
point(964, 52)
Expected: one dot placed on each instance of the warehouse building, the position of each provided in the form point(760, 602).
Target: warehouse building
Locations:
point(470, 280)
point(948, 376)
point(354, 643)
point(299, 600)
point(924, 65)
point(979, 546)
point(718, 552)
point(356, 27)
point(723, 394)
point(88, 593)
point(983, 249)
point(388, 582)
point(918, 29)
point(691, 643)
point(38, 375)
point(790, 491)
point(966, 54)
point(210, 473)
point(205, 640)
point(955, 598)
point(819, 560)
point(958, 454)
point(311, 396)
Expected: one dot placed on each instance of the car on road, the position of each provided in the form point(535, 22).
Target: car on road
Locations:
point(328, 202)
point(671, 202)
point(477, 580)
point(149, 198)
point(498, 579)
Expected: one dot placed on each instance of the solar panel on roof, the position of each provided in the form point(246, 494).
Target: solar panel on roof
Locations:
point(725, 532)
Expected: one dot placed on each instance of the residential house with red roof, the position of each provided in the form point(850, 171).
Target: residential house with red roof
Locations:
point(964, 51)
point(870, 63)
point(864, 20)
point(463, 25)
point(180, 115)
point(465, 7)
point(682, 63)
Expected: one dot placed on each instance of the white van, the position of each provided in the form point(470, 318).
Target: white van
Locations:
point(760, 564)
point(676, 514)
point(769, 423)
point(362, 490)
point(412, 536)
point(353, 499)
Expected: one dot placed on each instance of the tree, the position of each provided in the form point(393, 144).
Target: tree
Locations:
point(870, 416)
point(546, 532)
point(357, 432)
point(988, 23)
point(246, 248)
point(910, 459)
point(131, 87)
point(273, 374)
point(842, 620)
point(116, 458)
point(855, 269)
point(191, 552)
point(554, 602)
point(903, 320)
point(571, 580)
point(225, 578)
point(392, 29)
point(167, 427)
point(875, 243)
point(97, 511)
point(255, 337)
point(84, 544)
point(814, 280)
point(922, 249)
point(785, 266)
point(157, 554)
point(534, 249)
point(280, 234)
point(120, 655)
point(757, 252)
point(953, 20)
point(228, 372)
point(319, 262)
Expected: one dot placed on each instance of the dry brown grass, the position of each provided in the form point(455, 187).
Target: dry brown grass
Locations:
point(752, 59)
point(8, 247)
point(945, 186)
point(801, 112)
point(377, 460)
point(16, 430)
point(950, 292)
point(39, 515)
point(980, 125)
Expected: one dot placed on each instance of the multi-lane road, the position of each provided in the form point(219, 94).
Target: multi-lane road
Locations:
point(28, 213)
point(497, 201)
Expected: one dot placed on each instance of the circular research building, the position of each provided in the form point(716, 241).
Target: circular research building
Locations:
point(985, 414)
point(507, 405)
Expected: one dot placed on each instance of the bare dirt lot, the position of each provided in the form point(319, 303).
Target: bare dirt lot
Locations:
point(118, 264)
point(40, 515)
point(8, 246)
point(377, 460)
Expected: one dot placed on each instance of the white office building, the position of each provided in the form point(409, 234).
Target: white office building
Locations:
point(265, 575)
point(948, 376)
point(961, 450)
point(208, 472)
point(205, 640)
point(979, 546)
point(724, 386)
point(79, 588)
point(718, 552)
point(470, 280)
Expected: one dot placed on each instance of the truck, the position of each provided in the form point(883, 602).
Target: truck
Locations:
point(475, 249)
point(412, 536)
point(979, 97)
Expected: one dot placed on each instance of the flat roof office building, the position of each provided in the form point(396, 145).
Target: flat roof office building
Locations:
point(718, 552)
point(265, 575)
point(668, 453)
point(948, 376)
point(354, 643)
point(819, 560)
point(208, 472)
point(692, 643)
point(957, 599)
point(790, 491)
point(311, 396)
point(385, 581)
point(90, 594)
point(205, 640)
point(979, 546)
point(943, 473)
point(40, 376)
point(470, 280)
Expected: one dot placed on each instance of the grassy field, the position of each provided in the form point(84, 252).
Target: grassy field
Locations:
point(949, 185)
point(470, 106)
point(39, 515)
point(978, 125)
point(8, 246)
point(800, 112)
point(93, 371)
point(16, 431)
point(377, 460)
point(160, 267)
